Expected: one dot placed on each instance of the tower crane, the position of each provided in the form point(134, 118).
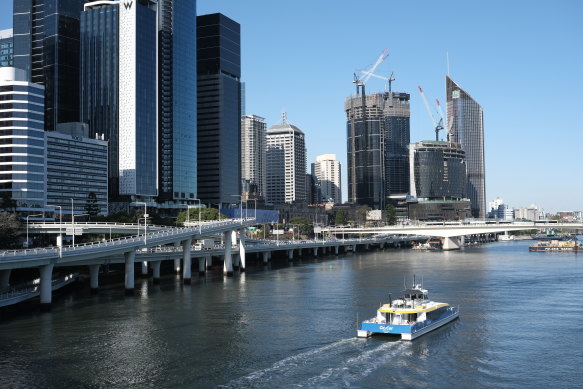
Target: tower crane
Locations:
point(438, 125)
point(389, 79)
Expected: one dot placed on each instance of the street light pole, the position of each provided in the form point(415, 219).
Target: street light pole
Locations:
point(37, 214)
point(73, 220)
point(60, 244)
point(199, 216)
point(145, 221)
point(241, 205)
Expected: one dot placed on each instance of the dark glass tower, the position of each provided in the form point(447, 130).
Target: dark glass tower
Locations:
point(46, 46)
point(177, 100)
point(99, 81)
point(378, 135)
point(465, 122)
point(219, 108)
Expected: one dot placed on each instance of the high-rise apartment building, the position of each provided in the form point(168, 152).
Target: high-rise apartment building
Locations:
point(46, 46)
point(6, 48)
point(218, 60)
point(119, 90)
point(253, 139)
point(465, 122)
point(177, 101)
point(327, 170)
point(22, 145)
point(378, 133)
point(286, 163)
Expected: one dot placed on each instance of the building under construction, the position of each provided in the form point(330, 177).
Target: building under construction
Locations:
point(378, 133)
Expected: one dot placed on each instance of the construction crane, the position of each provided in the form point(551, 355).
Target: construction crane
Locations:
point(438, 125)
point(389, 79)
point(361, 81)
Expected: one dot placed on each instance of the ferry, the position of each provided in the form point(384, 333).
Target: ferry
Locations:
point(410, 316)
point(557, 244)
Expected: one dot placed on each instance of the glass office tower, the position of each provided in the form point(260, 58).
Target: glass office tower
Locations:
point(378, 135)
point(46, 46)
point(465, 122)
point(99, 80)
point(119, 90)
point(22, 144)
point(219, 108)
point(177, 100)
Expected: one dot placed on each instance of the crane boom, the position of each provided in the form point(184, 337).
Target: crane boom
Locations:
point(438, 126)
point(380, 59)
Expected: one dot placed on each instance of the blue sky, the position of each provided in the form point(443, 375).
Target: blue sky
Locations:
point(521, 60)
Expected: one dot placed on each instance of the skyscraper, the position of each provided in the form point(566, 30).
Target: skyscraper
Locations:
point(177, 100)
point(22, 149)
point(286, 163)
point(378, 134)
point(465, 122)
point(219, 108)
point(327, 170)
point(119, 90)
point(46, 46)
point(6, 48)
point(253, 139)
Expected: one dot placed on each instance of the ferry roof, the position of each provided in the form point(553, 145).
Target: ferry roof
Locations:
point(413, 291)
point(421, 308)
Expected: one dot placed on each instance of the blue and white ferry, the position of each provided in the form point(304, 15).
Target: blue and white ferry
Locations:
point(410, 316)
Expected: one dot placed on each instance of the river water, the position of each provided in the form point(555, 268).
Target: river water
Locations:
point(294, 325)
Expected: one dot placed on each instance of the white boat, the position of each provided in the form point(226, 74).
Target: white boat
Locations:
point(410, 316)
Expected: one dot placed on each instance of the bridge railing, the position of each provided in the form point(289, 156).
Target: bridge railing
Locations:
point(168, 232)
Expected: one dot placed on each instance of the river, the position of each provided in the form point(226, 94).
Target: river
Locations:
point(294, 325)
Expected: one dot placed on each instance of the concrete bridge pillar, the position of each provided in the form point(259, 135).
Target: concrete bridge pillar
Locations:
point(201, 265)
point(366, 247)
point(144, 268)
point(451, 243)
point(382, 245)
point(336, 249)
point(234, 237)
point(265, 256)
point(177, 260)
point(209, 262)
point(46, 284)
point(187, 261)
point(354, 248)
point(94, 277)
point(5, 278)
point(315, 251)
point(228, 263)
point(236, 261)
point(156, 271)
point(242, 249)
point(130, 256)
point(290, 255)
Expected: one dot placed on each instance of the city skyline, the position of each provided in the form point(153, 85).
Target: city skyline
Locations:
point(310, 74)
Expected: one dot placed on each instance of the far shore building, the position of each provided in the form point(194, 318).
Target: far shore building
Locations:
point(327, 170)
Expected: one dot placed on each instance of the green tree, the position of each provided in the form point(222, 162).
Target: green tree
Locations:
point(9, 225)
point(305, 225)
point(7, 203)
point(361, 213)
point(340, 217)
point(206, 214)
point(91, 207)
point(390, 217)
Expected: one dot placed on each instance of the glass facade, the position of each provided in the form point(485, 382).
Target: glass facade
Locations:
point(6, 48)
point(219, 108)
point(439, 170)
point(177, 100)
point(22, 147)
point(253, 139)
point(465, 125)
point(76, 167)
point(46, 46)
point(99, 81)
point(378, 135)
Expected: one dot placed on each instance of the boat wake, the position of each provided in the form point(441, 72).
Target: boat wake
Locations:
point(336, 364)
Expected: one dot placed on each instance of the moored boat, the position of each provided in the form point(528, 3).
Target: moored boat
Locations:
point(409, 316)
point(557, 244)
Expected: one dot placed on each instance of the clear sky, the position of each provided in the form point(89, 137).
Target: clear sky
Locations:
point(521, 60)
